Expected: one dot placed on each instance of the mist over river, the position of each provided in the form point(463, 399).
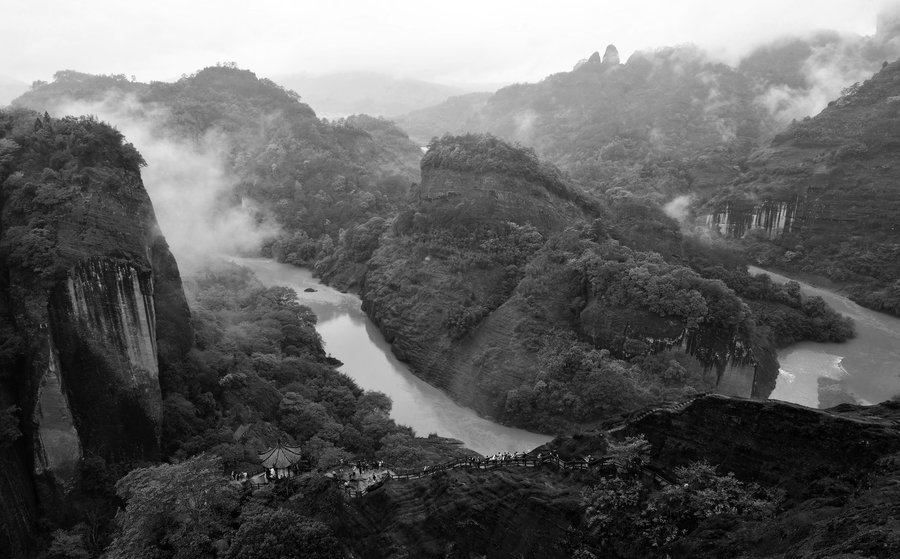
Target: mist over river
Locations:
point(351, 337)
point(866, 368)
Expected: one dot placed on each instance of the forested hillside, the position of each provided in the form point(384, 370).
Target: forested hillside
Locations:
point(822, 196)
point(314, 177)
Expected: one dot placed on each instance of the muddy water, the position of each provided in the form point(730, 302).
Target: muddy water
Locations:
point(866, 368)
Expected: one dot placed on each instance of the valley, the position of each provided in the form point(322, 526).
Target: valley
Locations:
point(242, 318)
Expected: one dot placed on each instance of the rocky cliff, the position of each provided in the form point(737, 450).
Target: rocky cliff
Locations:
point(451, 264)
point(824, 193)
point(94, 296)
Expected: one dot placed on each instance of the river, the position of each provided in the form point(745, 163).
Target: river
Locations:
point(866, 368)
point(350, 336)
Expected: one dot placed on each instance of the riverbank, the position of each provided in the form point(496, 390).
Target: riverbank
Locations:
point(865, 369)
point(813, 280)
point(352, 338)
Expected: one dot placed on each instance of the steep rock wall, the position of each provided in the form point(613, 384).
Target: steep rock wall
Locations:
point(56, 443)
point(103, 316)
point(741, 367)
point(774, 218)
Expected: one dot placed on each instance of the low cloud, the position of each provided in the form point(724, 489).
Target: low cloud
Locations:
point(679, 208)
point(828, 71)
point(188, 182)
point(525, 121)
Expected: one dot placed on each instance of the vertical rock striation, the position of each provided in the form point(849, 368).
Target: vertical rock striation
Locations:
point(103, 315)
point(774, 218)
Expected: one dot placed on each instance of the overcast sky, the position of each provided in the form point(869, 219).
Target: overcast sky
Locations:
point(452, 41)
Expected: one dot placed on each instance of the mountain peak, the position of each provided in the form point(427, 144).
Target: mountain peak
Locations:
point(611, 56)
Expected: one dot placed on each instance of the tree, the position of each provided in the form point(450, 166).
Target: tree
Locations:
point(9, 426)
point(701, 493)
point(69, 544)
point(173, 510)
point(284, 534)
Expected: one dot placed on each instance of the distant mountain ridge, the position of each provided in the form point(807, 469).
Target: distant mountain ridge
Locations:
point(665, 122)
point(366, 92)
point(10, 88)
point(449, 117)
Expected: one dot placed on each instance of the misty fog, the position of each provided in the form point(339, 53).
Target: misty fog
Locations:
point(192, 193)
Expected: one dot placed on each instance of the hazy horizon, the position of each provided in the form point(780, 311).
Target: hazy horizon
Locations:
point(466, 44)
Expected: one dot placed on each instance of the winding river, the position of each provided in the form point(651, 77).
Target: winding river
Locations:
point(350, 336)
point(865, 369)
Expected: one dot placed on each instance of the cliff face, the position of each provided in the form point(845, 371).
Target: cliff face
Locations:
point(772, 218)
point(87, 284)
point(103, 321)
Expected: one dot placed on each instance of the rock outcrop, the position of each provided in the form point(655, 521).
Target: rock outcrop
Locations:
point(772, 217)
point(611, 56)
point(506, 194)
point(458, 196)
point(93, 292)
point(775, 443)
point(494, 265)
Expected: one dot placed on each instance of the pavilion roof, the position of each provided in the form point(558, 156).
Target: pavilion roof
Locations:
point(281, 456)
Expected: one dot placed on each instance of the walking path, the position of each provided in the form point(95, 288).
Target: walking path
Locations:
point(359, 482)
point(371, 481)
